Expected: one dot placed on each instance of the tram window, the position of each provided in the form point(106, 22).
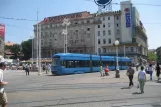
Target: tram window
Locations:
point(87, 64)
point(96, 63)
point(77, 64)
point(70, 64)
point(63, 64)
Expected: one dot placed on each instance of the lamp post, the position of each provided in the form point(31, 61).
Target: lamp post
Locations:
point(32, 37)
point(117, 65)
point(37, 41)
point(39, 50)
point(66, 23)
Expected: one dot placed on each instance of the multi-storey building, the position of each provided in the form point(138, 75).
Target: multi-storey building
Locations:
point(158, 52)
point(80, 34)
point(92, 33)
point(124, 25)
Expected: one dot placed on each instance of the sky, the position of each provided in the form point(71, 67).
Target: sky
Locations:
point(21, 30)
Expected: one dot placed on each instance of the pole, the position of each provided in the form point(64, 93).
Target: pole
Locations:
point(32, 50)
point(37, 38)
point(117, 57)
point(39, 49)
point(66, 39)
point(97, 45)
point(124, 51)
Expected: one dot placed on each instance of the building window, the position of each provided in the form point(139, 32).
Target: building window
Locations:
point(103, 18)
point(104, 50)
point(104, 33)
point(99, 42)
point(132, 49)
point(117, 18)
point(104, 41)
point(118, 32)
point(88, 29)
point(109, 18)
point(109, 41)
point(98, 26)
point(88, 35)
point(117, 25)
point(109, 25)
point(118, 39)
point(98, 33)
point(104, 26)
point(109, 32)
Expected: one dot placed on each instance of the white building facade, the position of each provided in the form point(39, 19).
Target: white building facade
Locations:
point(96, 34)
point(125, 26)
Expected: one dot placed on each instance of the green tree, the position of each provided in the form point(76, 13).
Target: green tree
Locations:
point(15, 49)
point(152, 56)
point(27, 49)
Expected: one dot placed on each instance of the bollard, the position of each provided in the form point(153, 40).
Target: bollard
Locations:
point(117, 75)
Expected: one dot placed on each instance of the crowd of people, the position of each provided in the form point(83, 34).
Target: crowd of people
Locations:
point(142, 74)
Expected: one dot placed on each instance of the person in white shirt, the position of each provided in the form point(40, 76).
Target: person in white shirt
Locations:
point(142, 79)
point(3, 97)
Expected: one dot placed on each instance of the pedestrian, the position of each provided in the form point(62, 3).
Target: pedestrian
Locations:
point(142, 79)
point(130, 74)
point(158, 71)
point(27, 69)
point(150, 71)
point(3, 96)
point(101, 71)
point(106, 71)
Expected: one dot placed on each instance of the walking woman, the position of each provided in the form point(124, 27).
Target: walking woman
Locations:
point(142, 79)
point(101, 71)
point(158, 71)
point(130, 74)
point(150, 70)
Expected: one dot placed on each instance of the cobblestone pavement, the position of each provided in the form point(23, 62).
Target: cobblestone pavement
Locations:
point(82, 90)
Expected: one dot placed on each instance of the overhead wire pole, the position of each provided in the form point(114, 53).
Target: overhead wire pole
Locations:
point(37, 41)
point(39, 49)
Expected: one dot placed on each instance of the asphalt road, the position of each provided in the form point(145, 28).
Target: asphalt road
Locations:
point(82, 90)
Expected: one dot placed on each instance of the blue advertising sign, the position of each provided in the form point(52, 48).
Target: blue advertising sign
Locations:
point(102, 2)
point(128, 17)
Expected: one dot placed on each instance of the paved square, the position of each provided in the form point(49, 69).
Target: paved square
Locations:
point(82, 90)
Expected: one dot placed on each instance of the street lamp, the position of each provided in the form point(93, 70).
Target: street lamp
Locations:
point(66, 23)
point(117, 65)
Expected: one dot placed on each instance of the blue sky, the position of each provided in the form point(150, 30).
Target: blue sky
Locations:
point(17, 31)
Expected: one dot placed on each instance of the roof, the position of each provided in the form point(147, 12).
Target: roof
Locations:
point(9, 43)
point(88, 55)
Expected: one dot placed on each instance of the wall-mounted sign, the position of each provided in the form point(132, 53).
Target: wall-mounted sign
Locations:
point(127, 17)
point(2, 31)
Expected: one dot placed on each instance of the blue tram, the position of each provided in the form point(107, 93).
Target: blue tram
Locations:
point(70, 63)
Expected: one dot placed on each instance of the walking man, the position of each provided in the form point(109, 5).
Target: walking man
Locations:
point(142, 79)
point(130, 74)
point(3, 97)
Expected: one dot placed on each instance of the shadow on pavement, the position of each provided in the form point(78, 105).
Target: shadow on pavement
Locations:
point(136, 93)
point(126, 88)
point(158, 81)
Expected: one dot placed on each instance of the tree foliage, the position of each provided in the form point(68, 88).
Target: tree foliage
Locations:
point(152, 56)
point(27, 49)
point(15, 49)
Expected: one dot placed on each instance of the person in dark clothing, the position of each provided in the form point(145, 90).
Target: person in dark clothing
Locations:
point(27, 70)
point(130, 74)
point(158, 71)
